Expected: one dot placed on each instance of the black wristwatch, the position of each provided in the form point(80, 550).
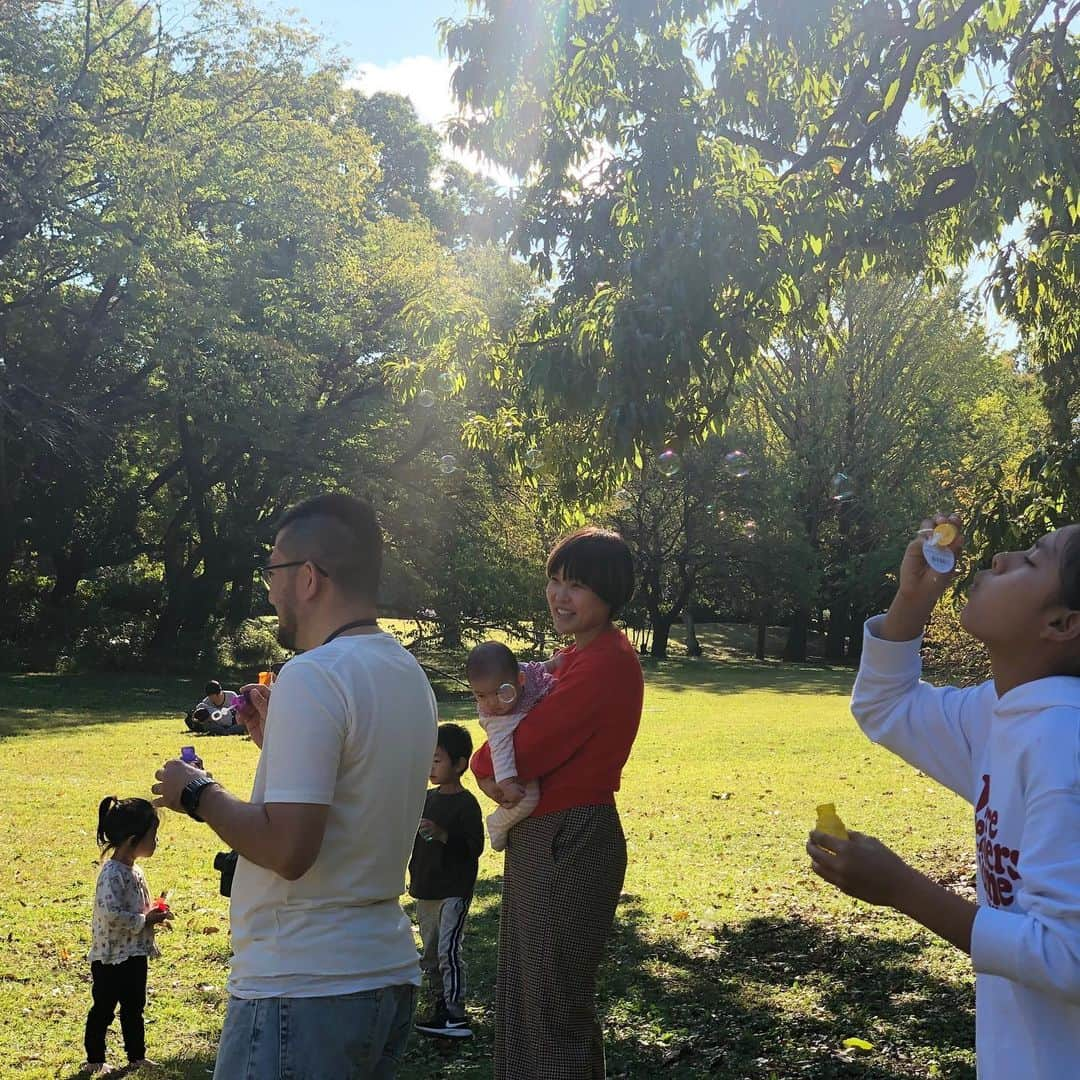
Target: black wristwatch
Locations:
point(190, 796)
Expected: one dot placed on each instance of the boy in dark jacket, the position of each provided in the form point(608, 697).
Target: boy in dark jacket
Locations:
point(442, 875)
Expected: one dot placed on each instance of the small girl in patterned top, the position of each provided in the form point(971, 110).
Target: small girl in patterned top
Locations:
point(123, 929)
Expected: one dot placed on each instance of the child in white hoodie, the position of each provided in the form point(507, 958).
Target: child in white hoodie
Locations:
point(1011, 747)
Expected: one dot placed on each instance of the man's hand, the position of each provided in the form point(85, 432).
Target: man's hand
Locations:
point(512, 792)
point(156, 915)
point(430, 830)
point(172, 778)
point(491, 789)
point(254, 716)
point(860, 866)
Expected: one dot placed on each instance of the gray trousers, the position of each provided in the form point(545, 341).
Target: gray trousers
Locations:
point(442, 928)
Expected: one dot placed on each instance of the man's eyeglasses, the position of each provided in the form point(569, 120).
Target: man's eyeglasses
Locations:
point(267, 572)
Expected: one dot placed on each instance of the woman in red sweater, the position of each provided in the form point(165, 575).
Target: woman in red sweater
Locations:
point(566, 863)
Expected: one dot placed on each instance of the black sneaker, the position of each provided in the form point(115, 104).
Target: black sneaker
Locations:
point(445, 1026)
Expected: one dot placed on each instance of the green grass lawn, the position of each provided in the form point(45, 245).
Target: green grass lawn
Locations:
point(730, 959)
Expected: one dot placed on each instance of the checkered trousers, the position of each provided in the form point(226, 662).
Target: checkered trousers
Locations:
point(563, 876)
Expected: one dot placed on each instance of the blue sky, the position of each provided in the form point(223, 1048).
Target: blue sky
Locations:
point(378, 33)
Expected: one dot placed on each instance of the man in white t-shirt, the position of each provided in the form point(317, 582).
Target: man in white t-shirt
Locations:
point(324, 964)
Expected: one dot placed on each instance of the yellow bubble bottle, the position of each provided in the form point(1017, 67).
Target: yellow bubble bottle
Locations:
point(828, 821)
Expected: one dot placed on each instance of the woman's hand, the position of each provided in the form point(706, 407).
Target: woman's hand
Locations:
point(254, 716)
point(860, 866)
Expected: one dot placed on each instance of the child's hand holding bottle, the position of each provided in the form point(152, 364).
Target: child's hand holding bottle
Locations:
point(157, 915)
point(920, 586)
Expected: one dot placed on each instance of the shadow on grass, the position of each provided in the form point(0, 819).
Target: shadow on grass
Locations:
point(738, 676)
point(44, 702)
point(776, 997)
point(177, 1068)
point(772, 998)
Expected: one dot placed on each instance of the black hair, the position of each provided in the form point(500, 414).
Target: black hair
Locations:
point(120, 820)
point(212, 687)
point(340, 534)
point(600, 559)
point(491, 658)
point(1069, 570)
point(456, 741)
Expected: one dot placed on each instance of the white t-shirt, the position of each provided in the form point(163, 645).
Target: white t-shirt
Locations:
point(230, 697)
point(352, 726)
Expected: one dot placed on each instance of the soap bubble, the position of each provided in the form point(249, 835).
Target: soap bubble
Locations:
point(425, 399)
point(622, 495)
point(507, 693)
point(447, 464)
point(749, 529)
point(533, 458)
point(446, 382)
point(737, 464)
point(669, 462)
point(843, 489)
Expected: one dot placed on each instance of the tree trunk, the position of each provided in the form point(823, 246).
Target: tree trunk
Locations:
point(239, 607)
point(450, 631)
point(661, 631)
point(69, 572)
point(839, 623)
point(693, 646)
point(762, 636)
point(798, 639)
point(855, 642)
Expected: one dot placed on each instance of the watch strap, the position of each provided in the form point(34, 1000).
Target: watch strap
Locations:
point(190, 796)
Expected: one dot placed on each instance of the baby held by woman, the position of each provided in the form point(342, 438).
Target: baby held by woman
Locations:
point(505, 691)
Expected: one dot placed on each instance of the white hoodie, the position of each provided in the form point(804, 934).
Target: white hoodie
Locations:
point(1016, 759)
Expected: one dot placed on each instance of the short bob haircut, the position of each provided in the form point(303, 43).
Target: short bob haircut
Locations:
point(599, 559)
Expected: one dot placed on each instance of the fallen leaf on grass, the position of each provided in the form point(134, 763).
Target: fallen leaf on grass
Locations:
point(859, 1045)
point(211, 929)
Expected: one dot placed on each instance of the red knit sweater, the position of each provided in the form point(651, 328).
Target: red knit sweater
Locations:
point(576, 740)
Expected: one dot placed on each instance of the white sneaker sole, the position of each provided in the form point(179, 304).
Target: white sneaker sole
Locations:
point(446, 1033)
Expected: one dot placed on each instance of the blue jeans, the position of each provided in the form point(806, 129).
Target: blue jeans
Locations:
point(358, 1036)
